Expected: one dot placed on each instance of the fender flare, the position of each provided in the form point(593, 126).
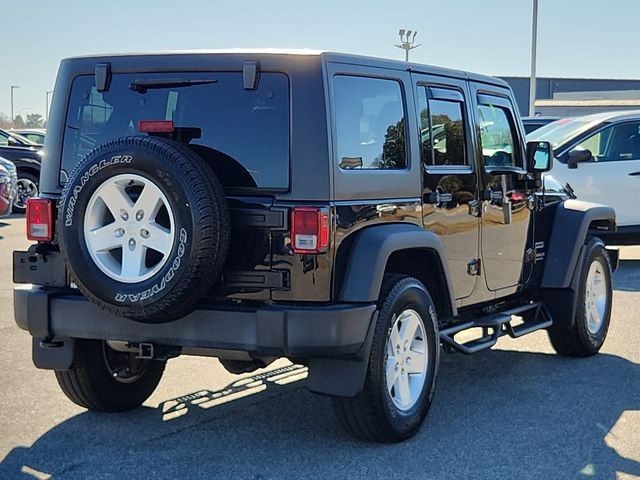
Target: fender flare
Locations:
point(27, 164)
point(568, 236)
point(563, 302)
point(370, 253)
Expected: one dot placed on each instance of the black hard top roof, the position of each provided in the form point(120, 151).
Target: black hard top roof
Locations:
point(327, 56)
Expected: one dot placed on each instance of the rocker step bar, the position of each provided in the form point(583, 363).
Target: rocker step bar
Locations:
point(496, 325)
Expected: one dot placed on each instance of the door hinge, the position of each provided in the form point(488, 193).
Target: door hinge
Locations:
point(473, 267)
point(535, 254)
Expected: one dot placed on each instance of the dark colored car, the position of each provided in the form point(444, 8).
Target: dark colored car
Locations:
point(27, 161)
point(348, 213)
point(531, 124)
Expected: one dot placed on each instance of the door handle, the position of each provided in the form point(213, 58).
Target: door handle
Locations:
point(439, 198)
point(634, 174)
point(493, 196)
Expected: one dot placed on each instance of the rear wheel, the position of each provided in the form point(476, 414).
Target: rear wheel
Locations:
point(402, 368)
point(593, 311)
point(105, 380)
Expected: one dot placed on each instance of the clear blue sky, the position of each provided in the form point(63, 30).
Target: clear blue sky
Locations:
point(581, 38)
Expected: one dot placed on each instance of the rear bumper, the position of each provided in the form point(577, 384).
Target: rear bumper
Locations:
point(310, 331)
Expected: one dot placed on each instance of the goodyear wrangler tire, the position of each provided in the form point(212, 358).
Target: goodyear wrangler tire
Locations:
point(144, 228)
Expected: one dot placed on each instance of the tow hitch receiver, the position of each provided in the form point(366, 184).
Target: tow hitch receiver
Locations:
point(145, 351)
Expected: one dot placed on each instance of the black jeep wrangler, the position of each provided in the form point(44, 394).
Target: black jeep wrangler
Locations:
point(351, 214)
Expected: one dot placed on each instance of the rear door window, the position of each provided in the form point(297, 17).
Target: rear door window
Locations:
point(241, 131)
point(442, 129)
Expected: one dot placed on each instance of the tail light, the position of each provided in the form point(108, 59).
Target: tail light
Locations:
point(309, 230)
point(40, 219)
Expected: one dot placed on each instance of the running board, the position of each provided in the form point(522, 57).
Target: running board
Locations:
point(496, 325)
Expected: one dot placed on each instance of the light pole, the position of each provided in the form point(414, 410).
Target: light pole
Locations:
point(534, 41)
point(406, 42)
point(46, 107)
point(13, 87)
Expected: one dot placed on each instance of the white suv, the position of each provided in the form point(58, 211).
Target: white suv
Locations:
point(599, 156)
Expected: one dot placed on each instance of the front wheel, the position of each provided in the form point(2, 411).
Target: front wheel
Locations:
point(402, 369)
point(27, 187)
point(105, 380)
point(593, 311)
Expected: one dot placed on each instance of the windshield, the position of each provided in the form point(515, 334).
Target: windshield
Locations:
point(7, 138)
point(561, 131)
point(243, 134)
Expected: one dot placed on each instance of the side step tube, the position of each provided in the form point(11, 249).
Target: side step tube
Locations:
point(496, 325)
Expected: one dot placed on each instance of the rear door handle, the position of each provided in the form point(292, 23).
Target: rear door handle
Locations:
point(634, 174)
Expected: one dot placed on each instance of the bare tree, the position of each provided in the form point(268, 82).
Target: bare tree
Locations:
point(34, 120)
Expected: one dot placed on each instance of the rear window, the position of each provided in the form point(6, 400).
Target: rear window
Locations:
point(244, 134)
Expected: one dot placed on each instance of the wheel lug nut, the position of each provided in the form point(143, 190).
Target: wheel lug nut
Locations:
point(119, 232)
point(132, 243)
point(144, 233)
point(139, 215)
point(124, 215)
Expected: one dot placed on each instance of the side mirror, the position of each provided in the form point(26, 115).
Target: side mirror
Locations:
point(12, 142)
point(578, 155)
point(539, 157)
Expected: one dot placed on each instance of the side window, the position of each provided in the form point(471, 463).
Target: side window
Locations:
point(615, 143)
point(370, 126)
point(497, 137)
point(442, 134)
point(597, 143)
point(4, 139)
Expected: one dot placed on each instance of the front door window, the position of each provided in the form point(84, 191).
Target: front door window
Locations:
point(505, 212)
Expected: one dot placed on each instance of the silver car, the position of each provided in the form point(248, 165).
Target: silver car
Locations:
point(13, 178)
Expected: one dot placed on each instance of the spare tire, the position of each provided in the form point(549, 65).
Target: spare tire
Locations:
point(143, 225)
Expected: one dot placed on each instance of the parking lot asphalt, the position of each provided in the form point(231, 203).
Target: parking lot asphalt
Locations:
point(518, 411)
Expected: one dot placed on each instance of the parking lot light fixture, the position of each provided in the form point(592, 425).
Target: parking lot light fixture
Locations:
point(46, 106)
point(407, 42)
point(13, 87)
point(534, 41)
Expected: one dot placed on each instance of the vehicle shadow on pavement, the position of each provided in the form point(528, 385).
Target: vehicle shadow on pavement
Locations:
point(627, 276)
point(499, 414)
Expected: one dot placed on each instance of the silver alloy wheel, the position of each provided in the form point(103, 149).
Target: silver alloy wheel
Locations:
point(26, 189)
point(129, 228)
point(595, 297)
point(407, 359)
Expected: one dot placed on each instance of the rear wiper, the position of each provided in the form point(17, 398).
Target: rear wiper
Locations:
point(141, 86)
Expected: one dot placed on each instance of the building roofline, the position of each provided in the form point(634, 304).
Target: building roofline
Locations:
point(517, 77)
point(587, 103)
